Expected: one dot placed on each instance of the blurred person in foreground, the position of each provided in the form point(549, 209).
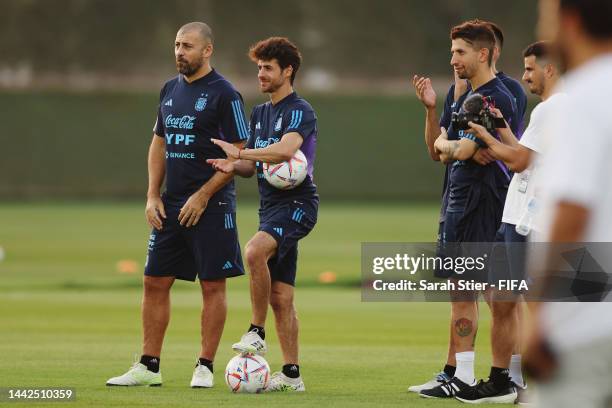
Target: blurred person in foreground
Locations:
point(569, 345)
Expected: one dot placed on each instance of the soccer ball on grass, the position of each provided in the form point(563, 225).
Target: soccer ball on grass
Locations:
point(247, 373)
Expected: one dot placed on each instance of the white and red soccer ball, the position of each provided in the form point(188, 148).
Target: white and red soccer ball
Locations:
point(288, 174)
point(247, 373)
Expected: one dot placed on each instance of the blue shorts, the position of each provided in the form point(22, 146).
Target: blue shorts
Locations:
point(287, 223)
point(446, 243)
point(209, 250)
point(510, 255)
point(448, 246)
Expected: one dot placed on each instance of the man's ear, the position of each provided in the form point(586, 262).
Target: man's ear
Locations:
point(208, 50)
point(484, 54)
point(287, 72)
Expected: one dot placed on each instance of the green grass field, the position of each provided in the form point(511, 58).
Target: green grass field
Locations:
point(69, 319)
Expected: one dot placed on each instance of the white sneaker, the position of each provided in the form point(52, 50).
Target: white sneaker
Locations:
point(137, 375)
point(202, 377)
point(280, 382)
point(438, 379)
point(250, 343)
point(526, 397)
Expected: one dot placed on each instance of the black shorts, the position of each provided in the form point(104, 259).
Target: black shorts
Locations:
point(287, 223)
point(209, 250)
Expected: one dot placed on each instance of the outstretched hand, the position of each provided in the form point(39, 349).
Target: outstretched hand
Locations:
point(222, 165)
point(230, 150)
point(424, 91)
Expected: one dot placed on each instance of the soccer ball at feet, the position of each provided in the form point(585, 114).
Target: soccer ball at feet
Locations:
point(247, 373)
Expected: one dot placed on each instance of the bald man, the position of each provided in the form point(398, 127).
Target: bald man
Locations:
point(194, 222)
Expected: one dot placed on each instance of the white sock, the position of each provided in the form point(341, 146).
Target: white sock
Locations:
point(465, 367)
point(516, 374)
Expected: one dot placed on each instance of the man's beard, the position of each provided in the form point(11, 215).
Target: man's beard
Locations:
point(469, 71)
point(188, 69)
point(537, 90)
point(272, 87)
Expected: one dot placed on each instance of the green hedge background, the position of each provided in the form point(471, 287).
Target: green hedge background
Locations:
point(94, 145)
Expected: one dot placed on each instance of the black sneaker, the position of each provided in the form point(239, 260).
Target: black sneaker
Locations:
point(487, 391)
point(446, 390)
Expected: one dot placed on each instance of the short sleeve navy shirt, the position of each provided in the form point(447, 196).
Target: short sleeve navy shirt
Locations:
point(189, 115)
point(268, 124)
point(520, 99)
point(464, 173)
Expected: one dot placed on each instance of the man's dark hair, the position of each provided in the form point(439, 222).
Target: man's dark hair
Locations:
point(476, 33)
point(596, 16)
point(497, 32)
point(280, 49)
point(540, 49)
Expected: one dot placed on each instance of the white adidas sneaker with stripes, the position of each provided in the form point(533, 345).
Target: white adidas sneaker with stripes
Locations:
point(251, 343)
